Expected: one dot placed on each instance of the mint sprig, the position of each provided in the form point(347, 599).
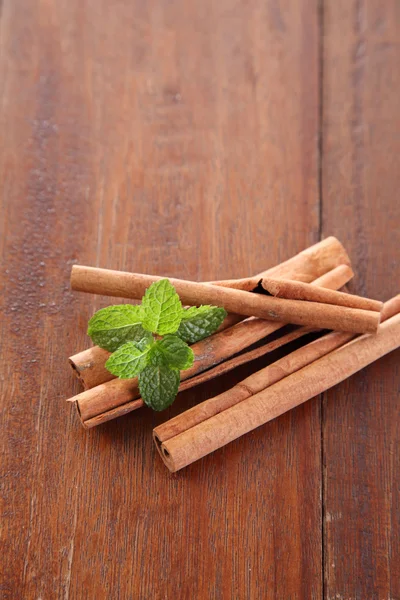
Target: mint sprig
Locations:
point(127, 331)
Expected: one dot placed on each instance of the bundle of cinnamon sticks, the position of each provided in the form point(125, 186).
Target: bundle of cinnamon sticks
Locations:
point(301, 291)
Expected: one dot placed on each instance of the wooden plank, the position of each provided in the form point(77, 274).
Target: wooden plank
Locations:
point(176, 138)
point(361, 179)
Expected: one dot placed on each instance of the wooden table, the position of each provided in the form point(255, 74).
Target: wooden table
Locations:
point(201, 140)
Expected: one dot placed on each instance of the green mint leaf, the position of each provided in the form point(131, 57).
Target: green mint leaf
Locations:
point(158, 385)
point(176, 352)
point(113, 326)
point(129, 360)
point(199, 323)
point(162, 309)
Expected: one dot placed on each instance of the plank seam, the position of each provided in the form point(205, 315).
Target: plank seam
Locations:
point(321, 16)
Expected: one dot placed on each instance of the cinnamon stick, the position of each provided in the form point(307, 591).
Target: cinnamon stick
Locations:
point(110, 399)
point(298, 312)
point(298, 290)
point(213, 433)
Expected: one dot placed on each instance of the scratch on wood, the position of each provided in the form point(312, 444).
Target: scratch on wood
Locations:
point(28, 545)
point(71, 551)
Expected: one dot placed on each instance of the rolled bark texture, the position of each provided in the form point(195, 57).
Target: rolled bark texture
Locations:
point(115, 398)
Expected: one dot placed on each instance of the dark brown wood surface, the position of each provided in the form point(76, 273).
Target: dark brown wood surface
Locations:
point(200, 140)
point(360, 179)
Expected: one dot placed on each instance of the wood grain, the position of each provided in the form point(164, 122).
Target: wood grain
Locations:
point(182, 138)
point(360, 177)
point(178, 138)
